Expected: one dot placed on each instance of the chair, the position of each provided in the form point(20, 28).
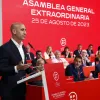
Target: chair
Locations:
point(92, 58)
point(70, 60)
point(49, 61)
point(62, 56)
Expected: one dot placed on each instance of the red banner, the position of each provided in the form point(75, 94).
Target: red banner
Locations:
point(54, 22)
point(54, 82)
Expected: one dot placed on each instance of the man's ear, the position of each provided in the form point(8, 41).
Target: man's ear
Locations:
point(13, 31)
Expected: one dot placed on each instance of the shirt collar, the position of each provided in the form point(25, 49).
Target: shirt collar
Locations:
point(18, 45)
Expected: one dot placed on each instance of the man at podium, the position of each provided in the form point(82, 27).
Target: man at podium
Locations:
point(12, 64)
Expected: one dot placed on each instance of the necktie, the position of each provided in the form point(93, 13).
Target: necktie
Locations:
point(28, 56)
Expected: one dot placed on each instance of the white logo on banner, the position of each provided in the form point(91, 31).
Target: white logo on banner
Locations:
point(56, 76)
point(73, 96)
point(63, 41)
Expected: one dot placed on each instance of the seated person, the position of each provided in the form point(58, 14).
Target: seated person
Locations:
point(85, 59)
point(90, 50)
point(97, 61)
point(78, 51)
point(66, 52)
point(98, 50)
point(98, 55)
point(97, 70)
point(58, 59)
point(97, 67)
point(76, 69)
point(49, 54)
point(29, 55)
point(38, 56)
point(39, 67)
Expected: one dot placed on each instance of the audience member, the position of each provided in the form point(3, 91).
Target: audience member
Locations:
point(97, 69)
point(39, 67)
point(49, 54)
point(76, 69)
point(78, 51)
point(38, 56)
point(58, 59)
point(98, 50)
point(90, 50)
point(85, 59)
point(29, 55)
point(66, 53)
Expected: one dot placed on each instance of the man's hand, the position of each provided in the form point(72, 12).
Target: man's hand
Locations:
point(21, 66)
point(40, 68)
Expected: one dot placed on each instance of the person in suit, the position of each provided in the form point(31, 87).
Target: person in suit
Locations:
point(66, 52)
point(97, 70)
point(90, 50)
point(98, 50)
point(13, 64)
point(29, 55)
point(97, 67)
point(75, 69)
point(78, 51)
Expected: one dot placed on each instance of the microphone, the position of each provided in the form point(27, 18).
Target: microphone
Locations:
point(31, 46)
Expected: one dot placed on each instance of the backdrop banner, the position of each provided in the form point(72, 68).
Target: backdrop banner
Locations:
point(54, 22)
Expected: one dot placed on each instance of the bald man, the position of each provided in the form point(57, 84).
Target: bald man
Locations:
point(13, 64)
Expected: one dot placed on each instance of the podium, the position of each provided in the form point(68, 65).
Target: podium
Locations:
point(33, 92)
point(56, 86)
point(30, 77)
point(53, 84)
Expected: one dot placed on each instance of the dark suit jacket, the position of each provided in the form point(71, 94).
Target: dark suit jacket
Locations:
point(31, 54)
point(97, 70)
point(72, 71)
point(89, 53)
point(64, 53)
point(10, 57)
point(76, 52)
point(32, 57)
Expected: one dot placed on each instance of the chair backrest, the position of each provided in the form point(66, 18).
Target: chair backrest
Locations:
point(70, 60)
point(87, 70)
point(49, 61)
point(62, 56)
point(92, 58)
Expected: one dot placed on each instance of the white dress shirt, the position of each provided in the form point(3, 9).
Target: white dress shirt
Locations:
point(46, 56)
point(29, 56)
point(20, 49)
point(61, 60)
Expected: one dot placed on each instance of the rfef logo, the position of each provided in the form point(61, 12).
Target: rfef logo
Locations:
point(63, 41)
point(73, 96)
point(56, 76)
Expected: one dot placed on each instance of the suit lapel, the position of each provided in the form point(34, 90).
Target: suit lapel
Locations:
point(15, 50)
point(25, 53)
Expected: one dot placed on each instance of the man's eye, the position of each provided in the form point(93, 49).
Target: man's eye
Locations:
point(23, 29)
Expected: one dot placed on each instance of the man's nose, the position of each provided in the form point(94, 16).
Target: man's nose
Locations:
point(25, 32)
